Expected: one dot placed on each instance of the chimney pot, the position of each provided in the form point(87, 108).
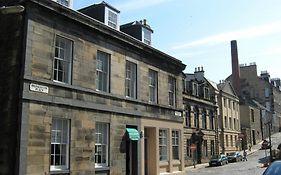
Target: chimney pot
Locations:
point(144, 22)
point(195, 69)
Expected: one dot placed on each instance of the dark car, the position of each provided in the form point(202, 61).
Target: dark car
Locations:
point(234, 157)
point(265, 145)
point(274, 168)
point(218, 160)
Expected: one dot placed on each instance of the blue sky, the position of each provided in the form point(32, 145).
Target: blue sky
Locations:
point(198, 32)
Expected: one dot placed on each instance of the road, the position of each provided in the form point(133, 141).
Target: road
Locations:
point(254, 165)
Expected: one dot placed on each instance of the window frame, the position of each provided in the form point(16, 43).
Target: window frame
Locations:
point(195, 89)
point(146, 36)
point(61, 133)
point(188, 118)
point(104, 127)
point(204, 120)
point(171, 91)
point(131, 79)
point(175, 144)
point(206, 93)
point(64, 2)
point(63, 58)
point(105, 61)
point(163, 143)
point(110, 20)
point(153, 87)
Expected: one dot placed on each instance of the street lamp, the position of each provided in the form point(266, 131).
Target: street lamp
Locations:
point(11, 9)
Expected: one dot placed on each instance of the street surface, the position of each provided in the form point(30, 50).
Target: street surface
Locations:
point(254, 165)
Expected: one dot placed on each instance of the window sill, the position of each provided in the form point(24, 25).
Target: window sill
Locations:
point(102, 168)
point(164, 163)
point(60, 172)
point(176, 162)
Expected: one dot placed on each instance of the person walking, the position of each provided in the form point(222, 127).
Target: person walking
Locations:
point(245, 156)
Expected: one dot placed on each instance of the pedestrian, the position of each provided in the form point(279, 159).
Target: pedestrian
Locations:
point(250, 147)
point(245, 156)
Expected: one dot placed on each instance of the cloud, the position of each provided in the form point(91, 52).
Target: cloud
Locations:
point(138, 4)
point(256, 31)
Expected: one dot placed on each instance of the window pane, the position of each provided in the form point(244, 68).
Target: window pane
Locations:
point(102, 71)
point(62, 60)
point(59, 144)
point(131, 79)
point(101, 145)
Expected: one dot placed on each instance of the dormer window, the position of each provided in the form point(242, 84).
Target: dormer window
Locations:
point(104, 13)
point(66, 3)
point(195, 89)
point(146, 36)
point(112, 19)
point(206, 93)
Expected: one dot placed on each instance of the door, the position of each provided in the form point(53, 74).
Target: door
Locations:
point(145, 156)
point(254, 137)
point(131, 158)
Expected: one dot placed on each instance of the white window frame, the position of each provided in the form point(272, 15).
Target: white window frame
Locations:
point(109, 21)
point(146, 36)
point(171, 91)
point(62, 63)
point(103, 71)
point(131, 79)
point(102, 143)
point(176, 144)
point(163, 144)
point(153, 86)
point(60, 138)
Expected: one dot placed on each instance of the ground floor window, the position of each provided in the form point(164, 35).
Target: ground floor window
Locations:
point(163, 144)
point(188, 149)
point(212, 147)
point(60, 144)
point(101, 145)
point(175, 144)
point(205, 148)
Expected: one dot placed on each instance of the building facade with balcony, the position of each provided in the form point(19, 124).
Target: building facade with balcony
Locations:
point(200, 117)
point(84, 98)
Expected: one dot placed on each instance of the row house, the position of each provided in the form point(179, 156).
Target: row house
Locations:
point(200, 117)
point(229, 118)
point(81, 96)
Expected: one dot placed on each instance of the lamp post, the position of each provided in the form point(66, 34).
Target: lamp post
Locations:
point(11, 9)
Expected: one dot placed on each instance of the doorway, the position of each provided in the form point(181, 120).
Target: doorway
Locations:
point(131, 155)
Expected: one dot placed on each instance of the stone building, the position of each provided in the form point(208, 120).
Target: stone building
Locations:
point(251, 131)
point(251, 87)
point(200, 117)
point(229, 118)
point(81, 97)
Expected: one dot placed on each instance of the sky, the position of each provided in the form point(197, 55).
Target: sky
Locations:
point(198, 32)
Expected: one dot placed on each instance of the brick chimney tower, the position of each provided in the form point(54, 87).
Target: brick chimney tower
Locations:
point(235, 67)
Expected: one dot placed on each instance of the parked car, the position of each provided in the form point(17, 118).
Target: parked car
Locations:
point(274, 168)
point(265, 145)
point(234, 157)
point(218, 160)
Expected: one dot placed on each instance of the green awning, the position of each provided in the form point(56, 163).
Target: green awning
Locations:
point(133, 134)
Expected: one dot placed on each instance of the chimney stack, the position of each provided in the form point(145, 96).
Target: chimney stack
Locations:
point(235, 67)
